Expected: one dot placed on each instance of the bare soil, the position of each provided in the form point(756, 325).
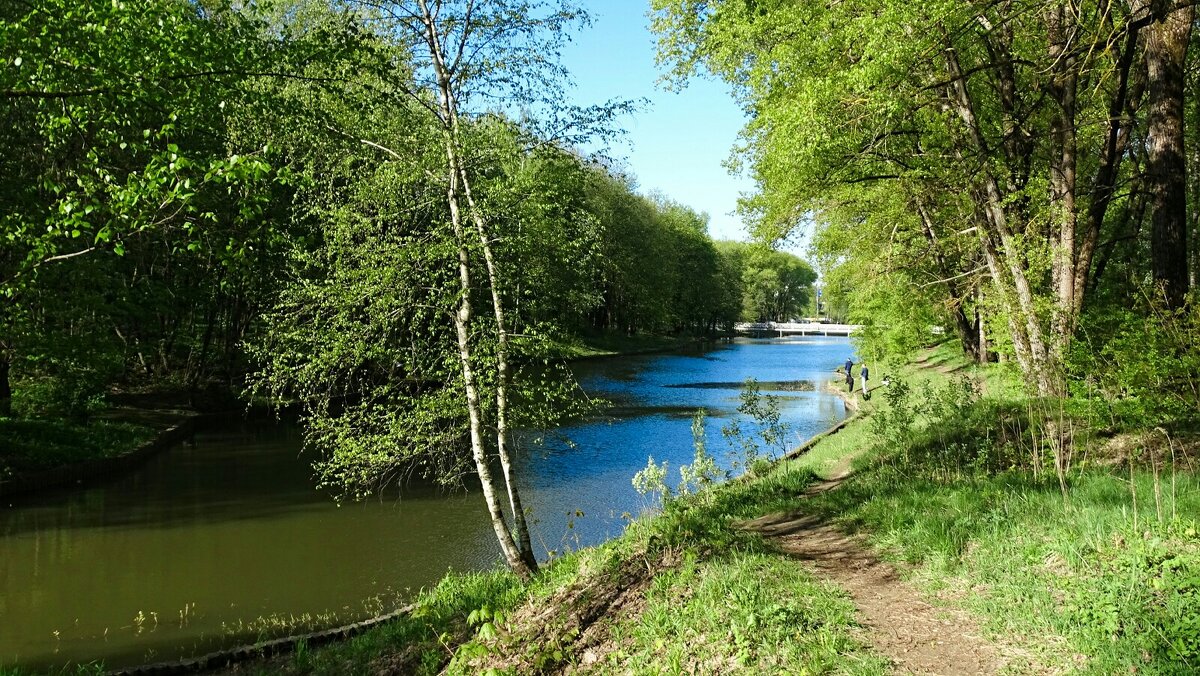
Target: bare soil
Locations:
point(918, 637)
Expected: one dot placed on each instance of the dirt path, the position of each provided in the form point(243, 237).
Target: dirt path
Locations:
point(918, 637)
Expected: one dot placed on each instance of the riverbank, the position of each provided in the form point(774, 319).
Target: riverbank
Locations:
point(619, 345)
point(1094, 574)
point(42, 454)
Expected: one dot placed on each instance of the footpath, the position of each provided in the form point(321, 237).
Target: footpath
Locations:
point(898, 621)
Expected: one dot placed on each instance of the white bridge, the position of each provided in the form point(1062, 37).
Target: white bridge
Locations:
point(796, 328)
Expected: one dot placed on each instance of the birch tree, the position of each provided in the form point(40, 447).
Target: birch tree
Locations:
point(501, 55)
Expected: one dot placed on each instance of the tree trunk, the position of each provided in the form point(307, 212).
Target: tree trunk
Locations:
point(964, 326)
point(519, 561)
point(985, 355)
point(462, 323)
point(5, 382)
point(503, 379)
point(1166, 46)
point(1122, 108)
point(1064, 216)
point(199, 367)
point(1003, 254)
point(1129, 228)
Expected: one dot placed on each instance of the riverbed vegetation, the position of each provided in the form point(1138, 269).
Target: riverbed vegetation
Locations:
point(34, 445)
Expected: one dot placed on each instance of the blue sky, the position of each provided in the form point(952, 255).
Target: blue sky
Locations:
point(678, 143)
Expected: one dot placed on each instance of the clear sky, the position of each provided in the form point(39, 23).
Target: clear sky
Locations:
point(678, 143)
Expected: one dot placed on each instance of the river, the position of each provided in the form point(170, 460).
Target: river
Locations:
point(217, 539)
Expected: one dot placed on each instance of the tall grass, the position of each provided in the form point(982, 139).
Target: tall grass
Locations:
point(1097, 557)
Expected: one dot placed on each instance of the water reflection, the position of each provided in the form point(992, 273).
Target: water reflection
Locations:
point(229, 528)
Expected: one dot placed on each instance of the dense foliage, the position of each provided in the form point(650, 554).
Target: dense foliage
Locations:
point(373, 210)
point(172, 169)
point(1014, 170)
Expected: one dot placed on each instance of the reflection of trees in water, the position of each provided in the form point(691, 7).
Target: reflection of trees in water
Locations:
point(763, 385)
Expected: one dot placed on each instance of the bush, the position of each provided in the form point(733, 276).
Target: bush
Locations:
point(65, 378)
point(1139, 366)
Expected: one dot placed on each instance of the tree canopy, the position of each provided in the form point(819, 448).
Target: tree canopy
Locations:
point(374, 210)
point(994, 162)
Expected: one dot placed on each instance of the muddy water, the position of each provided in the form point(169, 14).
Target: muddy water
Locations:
point(216, 540)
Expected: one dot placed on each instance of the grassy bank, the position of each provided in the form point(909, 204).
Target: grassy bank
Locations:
point(617, 344)
point(682, 591)
point(1102, 563)
point(34, 444)
point(30, 446)
point(1092, 570)
point(955, 482)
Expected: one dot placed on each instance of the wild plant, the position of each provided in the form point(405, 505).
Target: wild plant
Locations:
point(703, 471)
point(766, 412)
point(652, 479)
point(894, 423)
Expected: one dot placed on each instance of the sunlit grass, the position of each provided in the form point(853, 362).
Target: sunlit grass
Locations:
point(1102, 577)
point(741, 612)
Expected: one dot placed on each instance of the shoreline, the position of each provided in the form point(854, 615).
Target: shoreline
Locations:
point(284, 645)
point(184, 426)
point(220, 659)
point(87, 471)
point(216, 659)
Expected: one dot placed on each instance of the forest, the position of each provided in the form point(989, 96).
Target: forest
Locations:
point(205, 198)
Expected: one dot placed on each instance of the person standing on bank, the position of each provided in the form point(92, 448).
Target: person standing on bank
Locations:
point(849, 375)
point(862, 372)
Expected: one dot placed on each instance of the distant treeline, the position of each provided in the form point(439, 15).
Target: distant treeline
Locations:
point(189, 187)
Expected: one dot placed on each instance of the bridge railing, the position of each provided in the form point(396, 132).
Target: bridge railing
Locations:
point(798, 327)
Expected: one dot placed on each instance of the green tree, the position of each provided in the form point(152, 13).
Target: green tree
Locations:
point(119, 116)
point(1012, 124)
point(775, 286)
point(486, 190)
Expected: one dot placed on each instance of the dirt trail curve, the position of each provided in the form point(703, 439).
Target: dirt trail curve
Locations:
point(918, 637)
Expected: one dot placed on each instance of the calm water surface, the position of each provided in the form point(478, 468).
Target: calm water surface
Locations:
point(215, 535)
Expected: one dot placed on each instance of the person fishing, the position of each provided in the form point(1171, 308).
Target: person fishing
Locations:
point(865, 375)
point(849, 375)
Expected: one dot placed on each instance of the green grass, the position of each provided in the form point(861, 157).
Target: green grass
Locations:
point(1106, 576)
point(1124, 596)
point(421, 639)
point(830, 451)
point(94, 669)
point(32, 445)
point(614, 344)
point(742, 611)
point(732, 605)
point(731, 602)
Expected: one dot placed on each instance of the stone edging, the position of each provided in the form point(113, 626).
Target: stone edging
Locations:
point(91, 469)
point(280, 646)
